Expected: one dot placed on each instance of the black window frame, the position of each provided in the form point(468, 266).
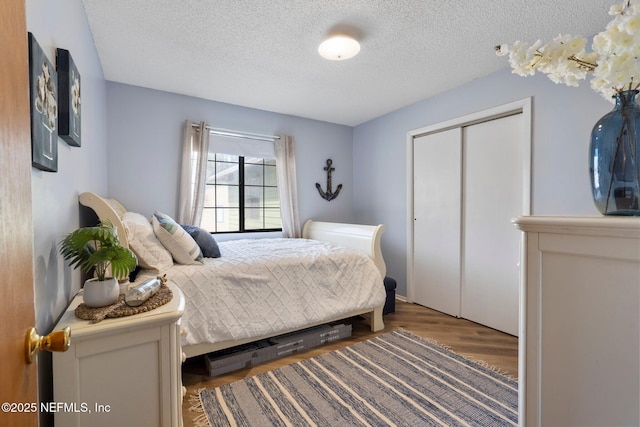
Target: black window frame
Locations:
point(241, 196)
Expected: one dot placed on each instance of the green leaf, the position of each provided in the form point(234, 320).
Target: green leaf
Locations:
point(98, 248)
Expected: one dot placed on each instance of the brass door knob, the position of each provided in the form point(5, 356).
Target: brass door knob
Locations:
point(55, 341)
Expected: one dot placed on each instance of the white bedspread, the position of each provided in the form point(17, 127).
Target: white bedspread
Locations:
point(266, 286)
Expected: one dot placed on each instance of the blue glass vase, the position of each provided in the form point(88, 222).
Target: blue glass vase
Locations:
point(613, 161)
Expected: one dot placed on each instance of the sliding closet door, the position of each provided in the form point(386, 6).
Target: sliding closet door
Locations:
point(437, 182)
point(493, 196)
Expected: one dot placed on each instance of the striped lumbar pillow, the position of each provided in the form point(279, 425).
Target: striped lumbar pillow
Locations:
point(183, 248)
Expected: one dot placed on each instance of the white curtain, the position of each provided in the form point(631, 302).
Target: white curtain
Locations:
point(195, 149)
point(287, 188)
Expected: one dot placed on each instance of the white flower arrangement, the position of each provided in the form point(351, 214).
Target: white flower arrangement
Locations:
point(613, 61)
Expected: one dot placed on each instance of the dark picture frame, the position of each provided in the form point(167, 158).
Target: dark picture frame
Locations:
point(69, 113)
point(43, 94)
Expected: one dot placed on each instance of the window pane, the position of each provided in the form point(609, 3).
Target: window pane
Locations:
point(224, 196)
point(211, 172)
point(271, 199)
point(271, 162)
point(253, 175)
point(222, 172)
point(227, 173)
point(209, 196)
point(253, 197)
point(219, 220)
point(253, 219)
point(270, 177)
point(272, 218)
point(227, 220)
point(208, 221)
point(227, 196)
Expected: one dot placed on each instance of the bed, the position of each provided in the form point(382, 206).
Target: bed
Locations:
point(257, 289)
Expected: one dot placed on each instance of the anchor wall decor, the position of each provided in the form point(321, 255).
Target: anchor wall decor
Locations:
point(329, 194)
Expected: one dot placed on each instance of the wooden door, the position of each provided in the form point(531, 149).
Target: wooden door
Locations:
point(493, 196)
point(436, 207)
point(18, 380)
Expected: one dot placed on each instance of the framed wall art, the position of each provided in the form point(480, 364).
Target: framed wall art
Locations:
point(68, 98)
point(43, 95)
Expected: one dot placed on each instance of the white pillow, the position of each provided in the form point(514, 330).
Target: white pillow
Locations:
point(152, 255)
point(182, 246)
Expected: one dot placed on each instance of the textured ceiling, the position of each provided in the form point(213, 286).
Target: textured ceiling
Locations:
point(263, 53)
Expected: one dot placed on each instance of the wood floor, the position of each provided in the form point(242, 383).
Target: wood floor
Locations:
point(462, 336)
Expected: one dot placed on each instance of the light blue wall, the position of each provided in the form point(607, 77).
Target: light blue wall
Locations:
point(145, 131)
point(562, 121)
point(55, 195)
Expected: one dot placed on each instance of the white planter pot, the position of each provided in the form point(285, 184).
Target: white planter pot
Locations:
point(124, 286)
point(100, 294)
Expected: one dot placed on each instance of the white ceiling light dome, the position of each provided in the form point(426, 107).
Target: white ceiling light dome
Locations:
point(338, 48)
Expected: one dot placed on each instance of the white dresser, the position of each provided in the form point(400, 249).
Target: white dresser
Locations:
point(123, 371)
point(580, 322)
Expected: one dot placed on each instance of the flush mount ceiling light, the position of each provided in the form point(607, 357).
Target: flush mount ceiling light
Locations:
point(338, 48)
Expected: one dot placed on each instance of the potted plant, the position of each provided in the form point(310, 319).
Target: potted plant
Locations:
point(97, 249)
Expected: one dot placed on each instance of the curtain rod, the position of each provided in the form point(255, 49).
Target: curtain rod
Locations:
point(237, 134)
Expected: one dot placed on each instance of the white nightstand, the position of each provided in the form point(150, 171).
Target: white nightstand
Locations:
point(121, 372)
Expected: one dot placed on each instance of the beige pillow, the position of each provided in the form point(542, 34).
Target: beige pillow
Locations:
point(152, 255)
point(182, 246)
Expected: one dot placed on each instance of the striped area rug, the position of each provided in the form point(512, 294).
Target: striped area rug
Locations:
point(395, 379)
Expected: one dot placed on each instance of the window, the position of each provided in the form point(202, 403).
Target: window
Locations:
point(241, 194)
